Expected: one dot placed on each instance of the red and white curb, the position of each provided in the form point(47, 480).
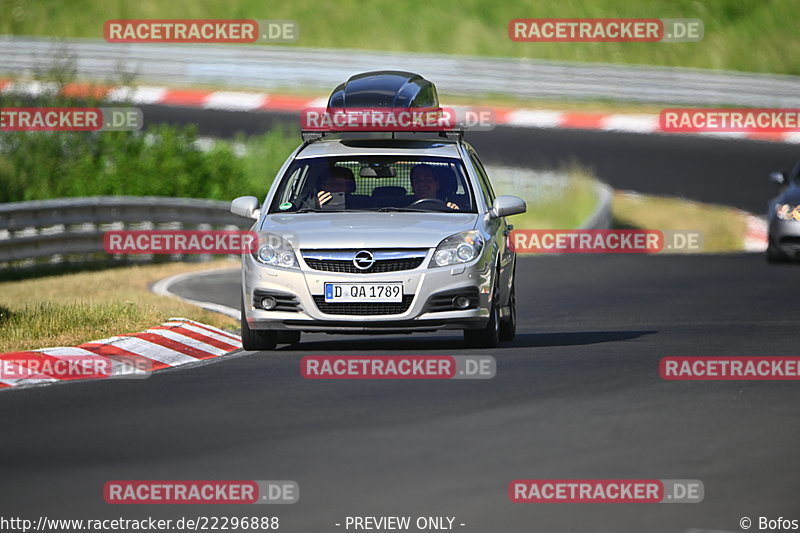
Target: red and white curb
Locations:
point(756, 235)
point(177, 342)
point(254, 101)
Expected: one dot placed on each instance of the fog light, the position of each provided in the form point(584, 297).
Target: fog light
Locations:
point(269, 303)
point(460, 302)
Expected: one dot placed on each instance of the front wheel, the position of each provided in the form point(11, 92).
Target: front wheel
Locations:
point(774, 255)
point(508, 325)
point(488, 337)
point(288, 337)
point(254, 339)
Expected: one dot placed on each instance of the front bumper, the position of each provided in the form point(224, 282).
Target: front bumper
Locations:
point(422, 284)
point(784, 236)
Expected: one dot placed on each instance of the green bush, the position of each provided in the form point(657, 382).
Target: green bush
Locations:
point(163, 160)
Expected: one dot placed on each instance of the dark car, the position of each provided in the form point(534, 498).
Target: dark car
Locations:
point(783, 213)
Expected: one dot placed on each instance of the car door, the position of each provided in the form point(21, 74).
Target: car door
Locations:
point(500, 230)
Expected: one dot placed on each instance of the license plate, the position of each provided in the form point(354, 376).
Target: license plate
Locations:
point(391, 291)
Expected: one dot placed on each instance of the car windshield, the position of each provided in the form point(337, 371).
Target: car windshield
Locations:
point(374, 183)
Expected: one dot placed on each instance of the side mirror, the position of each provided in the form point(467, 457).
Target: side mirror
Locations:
point(777, 177)
point(505, 206)
point(246, 206)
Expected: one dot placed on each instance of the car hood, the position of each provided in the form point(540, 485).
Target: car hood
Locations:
point(790, 196)
point(367, 230)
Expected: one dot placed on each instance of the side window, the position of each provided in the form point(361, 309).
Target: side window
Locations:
point(292, 188)
point(486, 187)
point(296, 185)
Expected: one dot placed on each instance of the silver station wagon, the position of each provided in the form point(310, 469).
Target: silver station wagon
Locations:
point(380, 233)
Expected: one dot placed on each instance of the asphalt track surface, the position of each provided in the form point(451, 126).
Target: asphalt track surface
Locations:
point(576, 395)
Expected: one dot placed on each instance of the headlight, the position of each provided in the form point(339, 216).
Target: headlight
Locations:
point(274, 250)
point(457, 249)
point(787, 212)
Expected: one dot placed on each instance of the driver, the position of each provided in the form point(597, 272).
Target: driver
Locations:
point(425, 185)
point(336, 180)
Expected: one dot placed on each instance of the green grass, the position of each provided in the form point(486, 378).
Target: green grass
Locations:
point(53, 318)
point(560, 203)
point(723, 228)
point(70, 309)
point(748, 35)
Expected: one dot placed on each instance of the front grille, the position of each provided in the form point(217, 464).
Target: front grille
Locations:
point(790, 240)
point(380, 265)
point(365, 308)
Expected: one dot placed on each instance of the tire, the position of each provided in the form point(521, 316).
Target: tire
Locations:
point(288, 337)
point(508, 326)
point(254, 339)
point(488, 337)
point(774, 255)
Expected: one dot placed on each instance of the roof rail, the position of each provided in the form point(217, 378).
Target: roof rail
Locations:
point(449, 134)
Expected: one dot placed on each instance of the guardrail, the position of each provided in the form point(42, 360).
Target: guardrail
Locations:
point(279, 67)
point(43, 232)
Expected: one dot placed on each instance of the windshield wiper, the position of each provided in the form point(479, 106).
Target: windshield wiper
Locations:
point(363, 210)
point(401, 210)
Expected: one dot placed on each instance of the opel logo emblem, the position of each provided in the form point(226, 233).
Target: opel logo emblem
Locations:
point(363, 260)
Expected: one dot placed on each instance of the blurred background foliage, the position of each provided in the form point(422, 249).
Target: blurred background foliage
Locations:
point(747, 35)
point(160, 160)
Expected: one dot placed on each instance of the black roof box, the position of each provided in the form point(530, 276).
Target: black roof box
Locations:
point(384, 88)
